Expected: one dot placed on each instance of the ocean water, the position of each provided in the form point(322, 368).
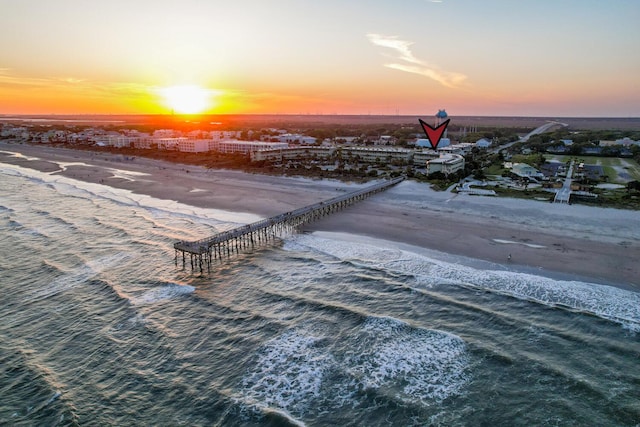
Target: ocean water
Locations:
point(99, 326)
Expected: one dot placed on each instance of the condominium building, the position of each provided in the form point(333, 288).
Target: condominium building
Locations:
point(420, 158)
point(376, 154)
point(194, 145)
point(245, 146)
point(446, 163)
point(292, 153)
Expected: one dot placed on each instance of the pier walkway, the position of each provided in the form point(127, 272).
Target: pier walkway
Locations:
point(202, 252)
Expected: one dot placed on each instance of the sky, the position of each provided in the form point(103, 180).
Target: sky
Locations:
point(565, 58)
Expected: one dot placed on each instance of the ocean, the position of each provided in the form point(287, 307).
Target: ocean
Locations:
point(100, 326)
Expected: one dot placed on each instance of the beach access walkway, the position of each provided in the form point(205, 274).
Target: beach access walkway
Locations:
point(204, 251)
point(563, 195)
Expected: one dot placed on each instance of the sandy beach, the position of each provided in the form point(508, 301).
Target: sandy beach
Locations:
point(572, 242)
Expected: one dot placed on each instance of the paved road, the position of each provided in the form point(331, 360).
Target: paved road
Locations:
point(541, 129)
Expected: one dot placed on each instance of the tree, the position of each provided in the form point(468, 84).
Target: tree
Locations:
point(633, 185)
point(479, 174)
point(576, 149)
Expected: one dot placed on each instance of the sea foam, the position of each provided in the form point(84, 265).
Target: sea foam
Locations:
point(607, 302)
point(162, 293)
point(72, 187)
point(304, 369)
point(289, 372)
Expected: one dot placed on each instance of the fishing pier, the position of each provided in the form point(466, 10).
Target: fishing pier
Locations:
point(204, 251)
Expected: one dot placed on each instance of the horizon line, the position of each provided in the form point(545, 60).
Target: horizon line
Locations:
point(10, 115)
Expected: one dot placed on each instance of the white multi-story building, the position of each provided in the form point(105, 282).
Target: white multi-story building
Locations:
point(377, 154)
point(144, 143)
point(451, 149)
point(167, 143)
point(446, 163)
point(220, 135)
point(117, 141)
point(246, 146)
point(297, 138)
point(293, 153)
point(420, 158)
point(193, 145)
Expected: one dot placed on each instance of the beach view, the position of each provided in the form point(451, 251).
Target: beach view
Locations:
point(315, 214)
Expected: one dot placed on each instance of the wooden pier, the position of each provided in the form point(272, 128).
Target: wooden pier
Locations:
point(204, 251)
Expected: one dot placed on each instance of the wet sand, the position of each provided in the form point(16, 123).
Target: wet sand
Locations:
point(572, 242)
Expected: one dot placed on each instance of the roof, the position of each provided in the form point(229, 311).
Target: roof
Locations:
point(447, 159)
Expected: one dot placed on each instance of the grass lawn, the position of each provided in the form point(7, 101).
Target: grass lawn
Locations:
point(624, 166)
point(494, 170)
point(530, 159)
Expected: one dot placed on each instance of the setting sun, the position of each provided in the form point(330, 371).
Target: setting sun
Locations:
point(187, 99)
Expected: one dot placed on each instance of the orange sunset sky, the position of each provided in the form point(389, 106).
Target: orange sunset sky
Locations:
point(534, 58)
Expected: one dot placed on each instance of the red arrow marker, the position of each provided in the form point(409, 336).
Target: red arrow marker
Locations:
point(434, 134)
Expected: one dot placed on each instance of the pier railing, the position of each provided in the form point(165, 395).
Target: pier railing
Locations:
point(204, 251)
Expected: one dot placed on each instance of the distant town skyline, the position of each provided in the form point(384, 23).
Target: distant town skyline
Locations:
point(494, 58)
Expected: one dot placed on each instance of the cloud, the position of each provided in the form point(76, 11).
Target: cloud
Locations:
point(410, 64)
point(72, 80)
point(9, 79)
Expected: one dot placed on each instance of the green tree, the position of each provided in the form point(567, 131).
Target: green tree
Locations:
point(479, 174)
point(633, 186)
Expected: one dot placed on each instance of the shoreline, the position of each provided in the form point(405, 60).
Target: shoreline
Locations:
point(475, 263)
point(597, 245)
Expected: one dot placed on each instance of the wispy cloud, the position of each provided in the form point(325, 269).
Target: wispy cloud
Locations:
point(9, 79)
point(406, 61)
point(72, 80)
